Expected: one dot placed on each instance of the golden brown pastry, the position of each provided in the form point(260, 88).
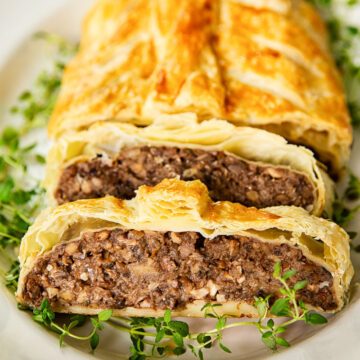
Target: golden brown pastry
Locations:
point(172, 247)
point(260, 63)
point(238, 164)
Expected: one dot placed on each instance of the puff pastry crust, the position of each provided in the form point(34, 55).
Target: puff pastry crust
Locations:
point(185, 130)
point(185, 206)
point(260, 63)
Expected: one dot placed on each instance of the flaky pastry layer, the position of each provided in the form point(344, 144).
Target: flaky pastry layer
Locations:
point(179, 206)
point(259, 63)
point(186, 130)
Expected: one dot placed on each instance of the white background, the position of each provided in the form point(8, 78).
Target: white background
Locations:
point(18, 18)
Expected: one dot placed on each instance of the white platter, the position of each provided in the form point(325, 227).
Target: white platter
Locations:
point(20, 338)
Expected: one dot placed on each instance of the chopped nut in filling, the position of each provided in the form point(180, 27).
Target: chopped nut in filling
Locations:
point(227, 177)
point(152, 269)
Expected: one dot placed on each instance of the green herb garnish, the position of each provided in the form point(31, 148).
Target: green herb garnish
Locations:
point(343, 213)
point(21, 196)
point(45, 316)
point(36, 106)
point(19, 200)
point(352, 191)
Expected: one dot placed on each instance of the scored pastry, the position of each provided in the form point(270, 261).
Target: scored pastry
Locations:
point(259, 63)
point(173, 247)
point(238, 164)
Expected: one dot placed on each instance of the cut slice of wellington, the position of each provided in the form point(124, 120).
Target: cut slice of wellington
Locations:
point(172, 247)
point(226, 176)
point(120, 268)
point(237, 164)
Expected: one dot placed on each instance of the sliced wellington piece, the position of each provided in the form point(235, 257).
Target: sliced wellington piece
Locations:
point(257, 63)
point(238, 164)
point(173, 247)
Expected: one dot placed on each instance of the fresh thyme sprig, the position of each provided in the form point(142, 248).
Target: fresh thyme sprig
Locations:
point(154, 338)
point(12, 275)
point(19, 200)
point(45, 316)
point(287, 306)
point(20, 195)
point(36, 106)
point(342, 213)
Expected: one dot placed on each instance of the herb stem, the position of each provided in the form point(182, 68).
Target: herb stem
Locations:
point(16, 211)
point(148, 342)
point(189, 337)
point(23, 217)
point(130, 331)
point(202, 345)
point(6, 255)
point(289, 322)
point(9, 236)
point(214, 331)
point(291, 296)
point(13, 163)
point(3, 273)
point(68, 333)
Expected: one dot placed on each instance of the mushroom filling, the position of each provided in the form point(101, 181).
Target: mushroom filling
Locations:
point(227, 177)
point(151, 269)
